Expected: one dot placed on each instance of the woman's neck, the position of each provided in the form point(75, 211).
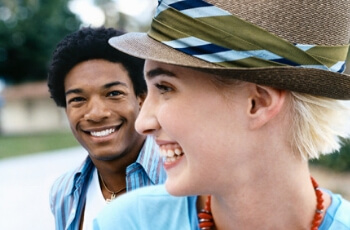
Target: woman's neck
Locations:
point(288, 203)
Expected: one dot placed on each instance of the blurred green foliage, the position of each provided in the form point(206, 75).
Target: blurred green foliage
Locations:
point(25, 144)
point(338, 161)
point(29, 32)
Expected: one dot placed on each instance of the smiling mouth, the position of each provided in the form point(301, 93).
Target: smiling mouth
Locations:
point(102, 133)
point(170, 153)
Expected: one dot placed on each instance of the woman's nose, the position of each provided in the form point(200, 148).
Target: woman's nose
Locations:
point(146, 122)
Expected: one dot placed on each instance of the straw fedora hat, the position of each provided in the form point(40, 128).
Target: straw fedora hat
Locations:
point(307, 23)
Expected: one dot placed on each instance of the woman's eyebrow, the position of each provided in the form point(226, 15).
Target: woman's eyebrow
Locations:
point(159, 71)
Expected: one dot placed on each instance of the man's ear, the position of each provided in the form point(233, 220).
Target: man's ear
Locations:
point(141, 98)
point(265, 103)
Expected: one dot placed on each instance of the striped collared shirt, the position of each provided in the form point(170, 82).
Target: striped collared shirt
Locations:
point(68, 193)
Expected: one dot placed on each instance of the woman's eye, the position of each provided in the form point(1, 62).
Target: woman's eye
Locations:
point(114, 93)
point(163, 88)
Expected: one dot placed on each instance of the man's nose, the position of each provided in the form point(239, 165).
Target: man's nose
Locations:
point(97, 110)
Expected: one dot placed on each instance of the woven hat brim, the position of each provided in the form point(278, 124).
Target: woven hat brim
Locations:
point(304, 80)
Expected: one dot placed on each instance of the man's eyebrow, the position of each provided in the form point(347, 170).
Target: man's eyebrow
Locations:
point(71, 91)
point(106, 86)
point(109, 85)
point(159, 71)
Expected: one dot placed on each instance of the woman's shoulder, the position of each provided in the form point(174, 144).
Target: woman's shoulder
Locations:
point(337, 216)
point(148, 191)
point(147, 197)
point(146, 208)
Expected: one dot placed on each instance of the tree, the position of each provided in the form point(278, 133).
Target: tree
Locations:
point(338, 161)
point(29, 32)
point(118, 18)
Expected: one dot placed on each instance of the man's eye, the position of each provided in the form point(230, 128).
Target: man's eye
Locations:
point(114, 93)
point(76, 99)
point(163, 88)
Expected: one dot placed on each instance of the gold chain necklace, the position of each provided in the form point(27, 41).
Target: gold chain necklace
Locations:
point(113, 194)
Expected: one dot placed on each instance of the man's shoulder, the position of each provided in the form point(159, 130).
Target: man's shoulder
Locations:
point(65, 182)
point(65, 179)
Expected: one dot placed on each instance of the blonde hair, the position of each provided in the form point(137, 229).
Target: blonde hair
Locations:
point(319, 124)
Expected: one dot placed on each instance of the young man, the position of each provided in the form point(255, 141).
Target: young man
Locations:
point(102, 91)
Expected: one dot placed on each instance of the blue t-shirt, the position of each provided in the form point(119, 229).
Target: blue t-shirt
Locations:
point(337, 216)
point(153, 208)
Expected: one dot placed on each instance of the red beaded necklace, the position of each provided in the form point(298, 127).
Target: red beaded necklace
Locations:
point(206, 221)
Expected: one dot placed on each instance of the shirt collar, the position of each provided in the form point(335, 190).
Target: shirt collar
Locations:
point(150, 160)
point(81, 174)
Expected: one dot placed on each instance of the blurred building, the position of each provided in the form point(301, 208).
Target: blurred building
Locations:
point(28, 108)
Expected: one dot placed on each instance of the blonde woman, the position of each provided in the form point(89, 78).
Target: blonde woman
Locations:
point(240, 95)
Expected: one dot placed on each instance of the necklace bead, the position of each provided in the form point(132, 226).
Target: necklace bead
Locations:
point(206, 221)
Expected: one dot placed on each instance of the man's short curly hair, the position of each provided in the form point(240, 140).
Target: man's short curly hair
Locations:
point(86, 44)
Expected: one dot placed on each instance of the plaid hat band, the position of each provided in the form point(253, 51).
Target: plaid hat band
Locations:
point(226, 40)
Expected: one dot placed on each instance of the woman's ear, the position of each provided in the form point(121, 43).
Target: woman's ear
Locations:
point(265, 103)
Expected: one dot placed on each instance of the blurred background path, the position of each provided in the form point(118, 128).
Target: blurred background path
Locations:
point(24, 187)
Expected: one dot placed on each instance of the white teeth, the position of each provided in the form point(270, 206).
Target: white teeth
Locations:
point(177, 152)
point(102, 133)
point(163, 152)
point(171, 155)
